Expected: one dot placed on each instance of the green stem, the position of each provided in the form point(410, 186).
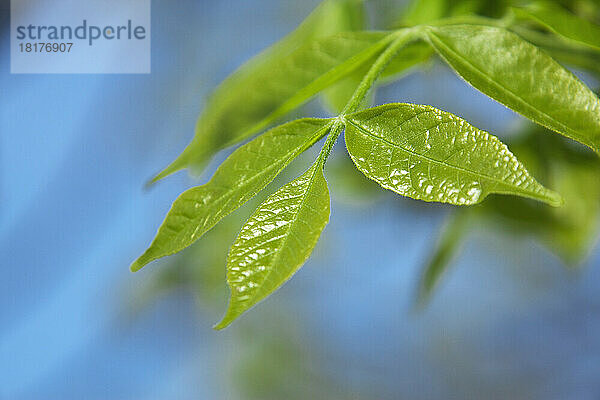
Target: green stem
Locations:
point(403, 37)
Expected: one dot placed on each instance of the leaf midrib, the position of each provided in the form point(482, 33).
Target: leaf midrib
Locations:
point(275, 259)
point(493, 179)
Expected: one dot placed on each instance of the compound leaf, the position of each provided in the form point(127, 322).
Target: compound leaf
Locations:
point(276, 241)
point(247, 170)
point(428, 154)
point(563, 23)
point(522, 77)
point(245, 104)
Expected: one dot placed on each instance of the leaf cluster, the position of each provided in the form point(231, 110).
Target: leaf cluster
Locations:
point(513, 53)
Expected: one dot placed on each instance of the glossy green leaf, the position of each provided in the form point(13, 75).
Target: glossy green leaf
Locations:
point(448, 245)
point(247, 104)
point(249, 169)
point(275, 242)
point(428, 154)
point(522, 77)
point(562, 22)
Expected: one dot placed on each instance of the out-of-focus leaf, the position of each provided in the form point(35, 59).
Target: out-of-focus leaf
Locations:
point(338, 95)
point(448, 245)
point(351, 186)
point(570, 231)
point(562, 22)
point(329, 18)
point(565, 52)
point(275, 242)
point(465, 7)
point(245, 104)
point(355, 20)
point(247, 171)
point(409, 56)
point(578, 230)
point(522, 77)
point(586, 60)
point(428, 154)
point(424, 11)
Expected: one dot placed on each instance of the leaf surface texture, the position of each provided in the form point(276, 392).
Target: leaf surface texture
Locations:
point(428, 154)
point(249, 169)
point(275, 242)
point(522, 77)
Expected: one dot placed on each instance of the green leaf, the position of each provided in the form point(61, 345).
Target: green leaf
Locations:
point(247, 171)
point(448, 245)
point(329, 18)
point(409, 56)
point(424, 11)
point(428, 154)
point(338, 95)
point(563, 23)
point(246, 103)
point(522, 77)
point(578, 226)
point(275, 242)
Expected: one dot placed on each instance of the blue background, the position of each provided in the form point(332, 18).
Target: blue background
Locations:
point(74, 154)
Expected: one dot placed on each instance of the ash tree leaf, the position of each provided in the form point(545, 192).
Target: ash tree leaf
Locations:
point(428, 154)
point(276, 240)
point(522, 77)
point(245, 172)
point(563, 23)
point(245, 104)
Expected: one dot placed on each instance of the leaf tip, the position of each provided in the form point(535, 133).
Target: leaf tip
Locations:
point(220, 326)
point(225, 322)
point(137, 265)
point(178, 164)
point(555, 199)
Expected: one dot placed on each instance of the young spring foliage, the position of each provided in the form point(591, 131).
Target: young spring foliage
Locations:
point(414, 150)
